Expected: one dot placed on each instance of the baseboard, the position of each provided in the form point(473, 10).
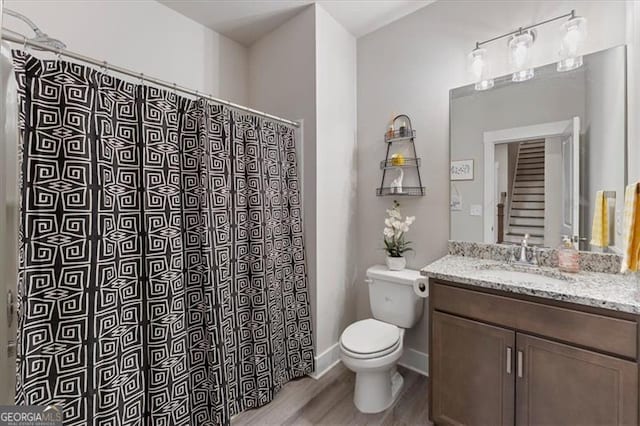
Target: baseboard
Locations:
point(411, 359)
point(415, 360)
point(326, 361)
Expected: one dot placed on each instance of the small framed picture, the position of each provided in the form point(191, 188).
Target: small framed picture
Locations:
point(462, 170)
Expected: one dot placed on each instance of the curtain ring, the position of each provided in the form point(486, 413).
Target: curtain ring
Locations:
point(24, 44)
point(58, 54)
point(142, 78)
point(104, 68)
point(175, 89)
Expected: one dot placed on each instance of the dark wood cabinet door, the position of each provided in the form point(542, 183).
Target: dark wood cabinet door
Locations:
point(472, 372)
point(558, 384)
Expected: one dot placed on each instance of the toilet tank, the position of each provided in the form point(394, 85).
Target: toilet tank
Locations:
point(392, 297)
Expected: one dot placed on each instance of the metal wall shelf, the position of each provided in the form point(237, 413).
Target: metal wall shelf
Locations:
point(400, 135)
point(404, 134)
point(407, 162)
point(410, 191)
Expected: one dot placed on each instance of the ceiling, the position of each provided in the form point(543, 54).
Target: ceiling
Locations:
point(246, 21)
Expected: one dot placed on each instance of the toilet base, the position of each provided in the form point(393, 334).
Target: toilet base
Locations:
point(377, 391)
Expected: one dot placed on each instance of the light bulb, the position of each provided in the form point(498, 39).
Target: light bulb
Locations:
point(571, 39)
point(479, 67)
point(477, 63)
point(520, 55)
point(575, 32)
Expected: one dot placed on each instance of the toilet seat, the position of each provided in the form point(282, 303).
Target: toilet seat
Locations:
point(374, 355)
point(370, 338)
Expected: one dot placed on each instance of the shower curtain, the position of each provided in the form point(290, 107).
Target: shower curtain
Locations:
point(162, 275)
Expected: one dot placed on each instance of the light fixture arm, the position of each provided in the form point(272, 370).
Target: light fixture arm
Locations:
point(521, 30)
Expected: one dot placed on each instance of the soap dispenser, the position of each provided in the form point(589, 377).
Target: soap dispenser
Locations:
point(568, 256)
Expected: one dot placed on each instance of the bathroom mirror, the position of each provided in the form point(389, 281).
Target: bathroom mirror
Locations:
point(530, 157)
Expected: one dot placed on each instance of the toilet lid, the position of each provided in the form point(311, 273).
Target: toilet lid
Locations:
point(370, 336)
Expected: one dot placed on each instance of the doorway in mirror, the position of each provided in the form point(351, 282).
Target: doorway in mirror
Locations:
point(534, 176)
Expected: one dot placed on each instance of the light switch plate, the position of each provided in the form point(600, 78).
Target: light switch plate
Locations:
point(456, 202)
point(476, 210)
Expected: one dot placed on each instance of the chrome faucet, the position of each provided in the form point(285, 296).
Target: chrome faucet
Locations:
point(523, 259)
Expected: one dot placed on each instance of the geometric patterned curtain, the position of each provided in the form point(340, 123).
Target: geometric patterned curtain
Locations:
point(162, 276)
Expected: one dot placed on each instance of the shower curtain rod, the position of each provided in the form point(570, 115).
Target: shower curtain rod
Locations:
point(13, 37)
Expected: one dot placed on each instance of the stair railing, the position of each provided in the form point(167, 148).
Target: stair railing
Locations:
point(512, 190)
point(503, 196)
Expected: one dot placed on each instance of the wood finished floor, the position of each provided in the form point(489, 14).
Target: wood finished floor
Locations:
point(329, 401)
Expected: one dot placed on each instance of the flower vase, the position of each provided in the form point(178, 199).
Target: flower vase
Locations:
point(396, 263)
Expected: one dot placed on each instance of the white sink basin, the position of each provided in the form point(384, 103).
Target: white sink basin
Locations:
point(516, 276)
point(518, 273)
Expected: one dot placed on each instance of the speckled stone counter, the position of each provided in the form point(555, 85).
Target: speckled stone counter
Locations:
point(589, 261)
point(616, 292)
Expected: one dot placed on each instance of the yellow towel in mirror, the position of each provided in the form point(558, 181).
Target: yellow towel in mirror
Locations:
point(600, 227)
point(631, 259)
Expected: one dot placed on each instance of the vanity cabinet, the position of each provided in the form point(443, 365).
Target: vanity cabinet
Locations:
point(504, 359)
point(473, 372)
point(564, 385)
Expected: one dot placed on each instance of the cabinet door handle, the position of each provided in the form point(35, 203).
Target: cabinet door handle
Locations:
point(508, 360)
point(520, 356)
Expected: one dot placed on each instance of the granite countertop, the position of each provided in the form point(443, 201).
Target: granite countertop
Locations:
point(618, 292)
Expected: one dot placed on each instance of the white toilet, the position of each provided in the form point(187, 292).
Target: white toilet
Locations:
point(371, 347)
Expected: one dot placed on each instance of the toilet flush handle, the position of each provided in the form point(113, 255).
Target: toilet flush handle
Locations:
point(368, 280)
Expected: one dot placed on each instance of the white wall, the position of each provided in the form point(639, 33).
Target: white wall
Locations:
point(409, 66)
point(282, 73)
point(145, 36)
point(336, 179)
point(305, 69)
point(553, 202)
point(604, 142)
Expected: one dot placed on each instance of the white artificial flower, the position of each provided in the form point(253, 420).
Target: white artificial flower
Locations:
point(396, 227)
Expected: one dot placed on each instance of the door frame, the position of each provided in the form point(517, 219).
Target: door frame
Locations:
point(510, 135)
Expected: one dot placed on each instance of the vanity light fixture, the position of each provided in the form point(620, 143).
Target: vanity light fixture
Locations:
point(520, 43)
point(575, 33)
point(479, 67)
